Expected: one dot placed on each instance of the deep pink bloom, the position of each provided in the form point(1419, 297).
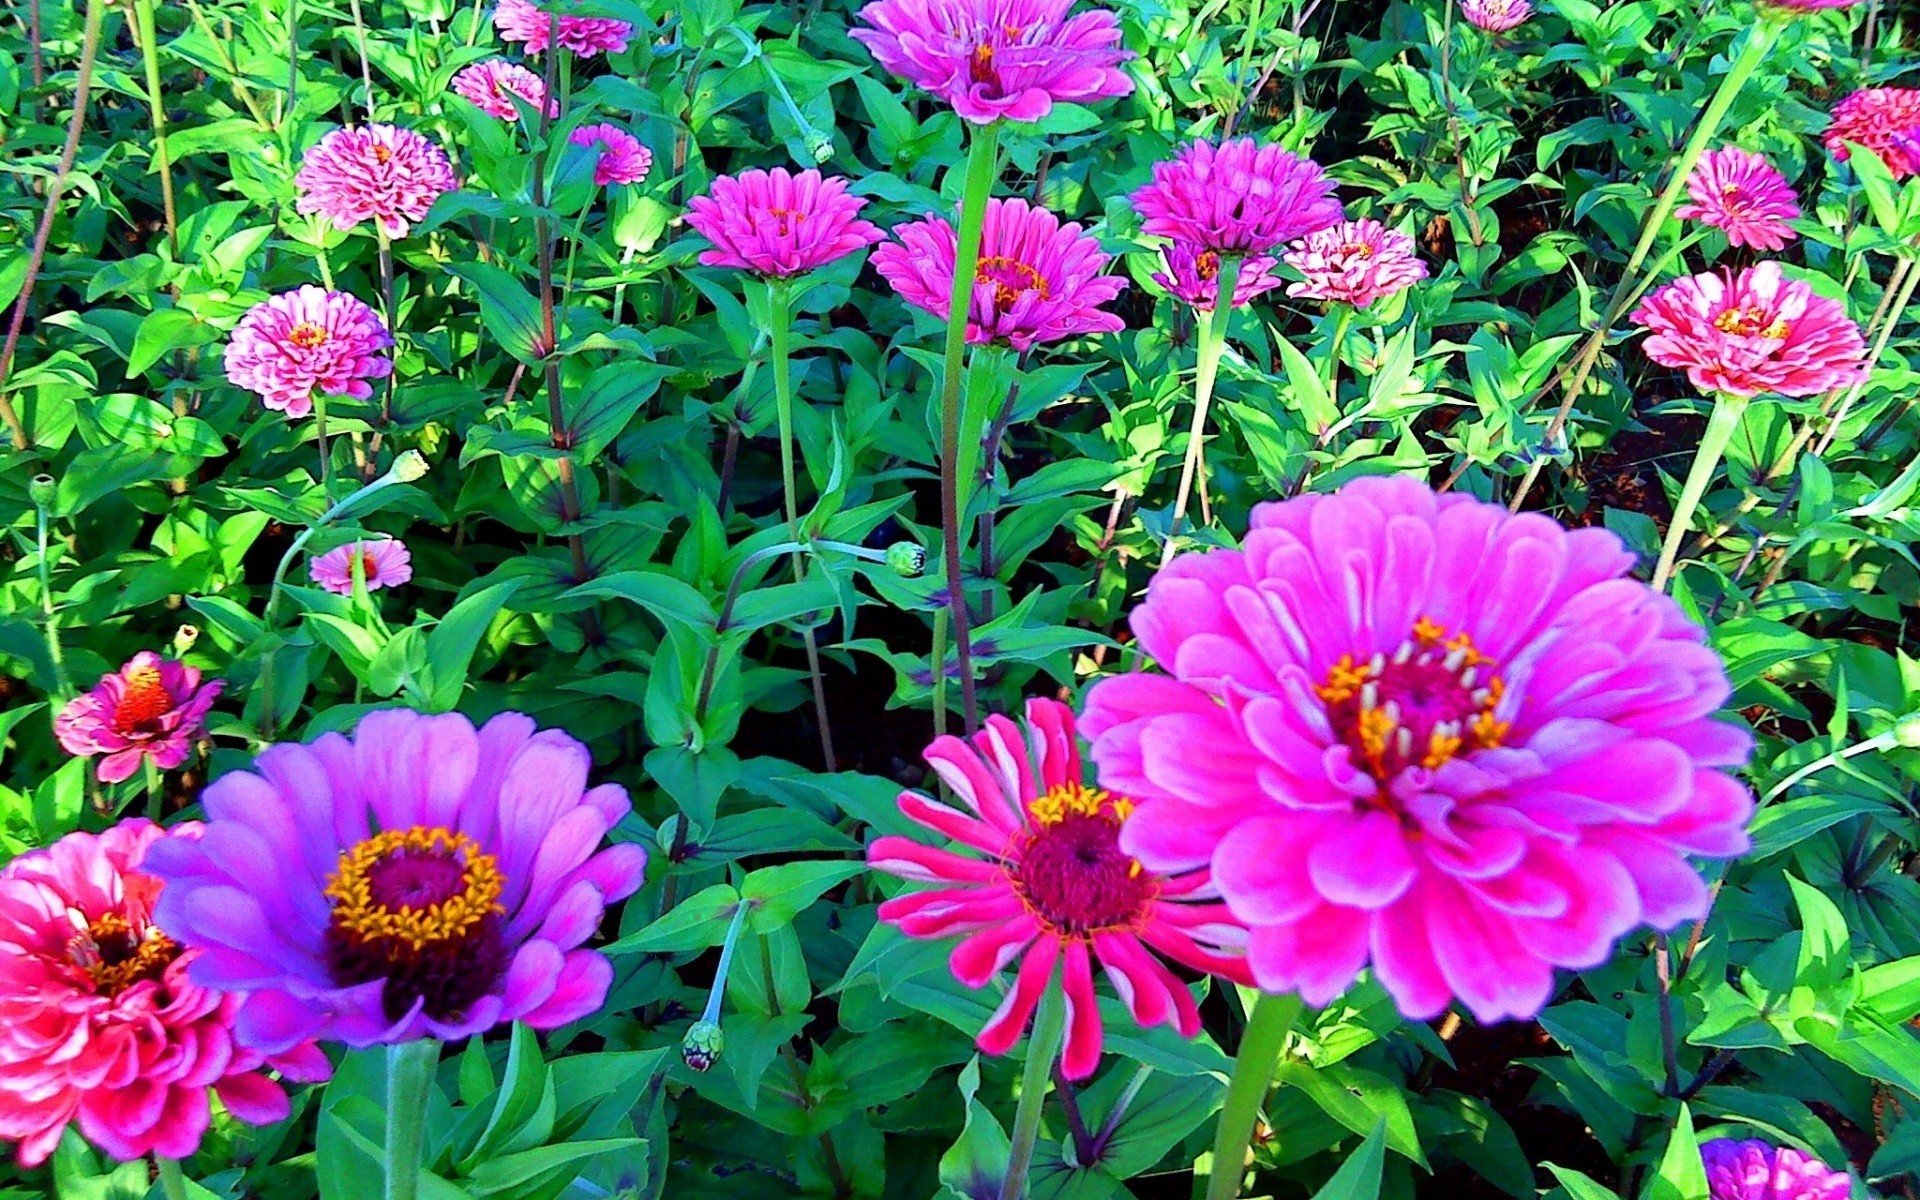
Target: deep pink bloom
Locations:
point(1496, 16)
point(1418, 731)
point(381, 173)
point(1193, 275)
point(1236, 198)
point(1354, 262)
point(778, 223)
point(1755, 1170)
point(288, 346)
point(152, 707)
point(100, 1024)
point(521, 21)
point(423, 879)
point(491, 86)
point(1037, 280)
point(622, 158)
point(1047, 881)
point(1790, 7)
point(1886, 120)
point(991, 59)
point(1739, 192)
point(1752, 332)
point(384, 561)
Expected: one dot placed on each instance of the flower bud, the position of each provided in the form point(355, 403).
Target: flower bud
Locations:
point(410, 466)
point(702, 1046)
point(907, 558)
point(41, 489)
point(1906, 731)
point(669, 831)
point(184, 638)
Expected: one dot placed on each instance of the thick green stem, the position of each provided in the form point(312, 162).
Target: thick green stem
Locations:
point(779, 331)
point(409, 1079)
point(62, 689)
point(1043, 1047)
point(150, 55)
point(937, 657)
point(1727, 410)
point(173, 1183)
point(1212, 342)
point(320, 435)
point(156, 789)
point(1268, 1024)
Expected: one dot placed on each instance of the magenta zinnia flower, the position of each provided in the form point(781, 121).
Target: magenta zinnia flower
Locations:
point(1236, 198)
point(1886, 120)
point(288, 346)
point(1417, 731)
point(1354, 262)
point(521, 21)
point(1047, 882)
point(1739, 192)
point(100, 1023)
point(622, 158)
point(1755, 1170)
point(1193, 275)
point(423, 879)
point(998, 58)
point(1804, 6)
point(491, 86)
point(152, 707)
point(1037, 280)
point(381, 173)
point(1496, 16)
point(779, 224)
point(385, 562)
point(1753, 332)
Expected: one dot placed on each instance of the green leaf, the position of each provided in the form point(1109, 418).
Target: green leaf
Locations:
point(508, 311)
point(1358, 1099)
point(163, 331)
point(1826, 950)
point(523, 1109)
point(659, 593)
point(779, 894)
point(973, 1167)
point(1879, 185)
point(1578, 1186)
point(451, 643)
point(557, 1164)
point(1359, 1177)
point(695, 923)
point(1682, 1175)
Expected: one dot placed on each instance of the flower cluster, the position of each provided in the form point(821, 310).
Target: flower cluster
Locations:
point(152, 708)
point(380, 173)
point(1751, 332)
point(289, 346)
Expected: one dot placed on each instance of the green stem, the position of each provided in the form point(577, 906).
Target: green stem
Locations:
point(62, 689)
point(938, 659)
point(156, 789)
point(410, 1068)
point(172, 1182)
point(1342, 321)
point(320, 434)
point(1268, 1024)
point(1212, 342)
point(150, 54)
point(1043, 1047)
point(1875, 744)
point(1727, 410)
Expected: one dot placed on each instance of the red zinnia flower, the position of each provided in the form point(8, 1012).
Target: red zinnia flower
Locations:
point(152, 707)
point(1885, 120)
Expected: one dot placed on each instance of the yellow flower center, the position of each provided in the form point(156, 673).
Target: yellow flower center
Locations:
point(414, 887)
point(1010, 278)
point(115, 957)
point(1751, 321)
point(307, 335)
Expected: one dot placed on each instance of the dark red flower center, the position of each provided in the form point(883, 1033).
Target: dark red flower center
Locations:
point(1428, 701)
point(369, 569)
point(307, 335)
point(144, 701)
point(980, 65)
point(116, 955)
point(1069, 870)
point(1011, 279)
point(1357, 250)
point(1750, 320)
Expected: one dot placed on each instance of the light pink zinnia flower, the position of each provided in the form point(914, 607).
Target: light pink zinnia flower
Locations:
point(521, 21)
point(1496, 16)
point(381, 173)
point(779, 224)
point(491, 86)
point(1418, 731)
point(288, 345)
point(1236, 198)
point(1193, 274)
point(1037, 280)
point(1739, 192)
point(1886, 120)
point(152, 707)
point(1047, 882)
point(998, 58)
point(385, 562)
point(1753, 332)
point(1756, 1170)
point(1354, 262)
point(100, 1025)
point(622, 158)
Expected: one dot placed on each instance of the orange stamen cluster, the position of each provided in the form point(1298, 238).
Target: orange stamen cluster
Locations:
point(356, 911)
point(1751, 321)
point(115, 958)
point(144, 701)
point(1422, 706)
point(307, 336)
point(1024, 278)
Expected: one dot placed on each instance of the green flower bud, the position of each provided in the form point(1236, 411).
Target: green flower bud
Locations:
point(410, 466)
point(907, 558)
point(41, 489)
point(1906, 731)
point(184, 638)
point(702, 1046)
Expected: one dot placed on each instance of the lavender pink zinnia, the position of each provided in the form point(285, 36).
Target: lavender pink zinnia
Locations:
point(289, 346)
point(1354, 262)
point(380, 173)
point(492, 85)
point(383, 562)
point(622, 159)
point(779, 224)
point(1751, 332)
point(523, 22)
point(151, 708)
point(1236, 198)
point(1192, 273)
point(1496, 16)
point(1756, 1170)
point(1740, 193)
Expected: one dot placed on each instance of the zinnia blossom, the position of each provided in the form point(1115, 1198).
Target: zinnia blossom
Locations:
point(1354, 262)
point(1236, 198)
point(1790, 7)
point(491, 86)
point(385, 562)
point(1193, 275)
point(779, 224)
point(520, 21)
point(1417, 731)
point(622, 158)
point(1885, 121)
point(381, 173)
point(1496, 16)
point(421, 879)
point(1739, 192)
point(152, 707)
point(1037, 279)
point(1046, 882)
point(1752, 332)
point(1755, 1170)
point(288, 346)
point(100, 1023)
point(991, 59)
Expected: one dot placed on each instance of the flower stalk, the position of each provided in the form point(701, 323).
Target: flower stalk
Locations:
point(1043, 1047)
point(410, 1067)
point(173, 1183)
point(1212, 343)
point(43, 489)
point(1268, 1025)
point(1727, 411)
point(156, 106)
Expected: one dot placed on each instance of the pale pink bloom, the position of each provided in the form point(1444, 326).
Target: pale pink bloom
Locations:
point(290, 345)
point(381, 173)
point(1757, 1170)
point(491, 86)
point(152, 707)
point(1037, 279)
point(386, 562)
point(779, 224)
point(1236, 198)
point(1496, 16)
point(993, 59)
point(1193, 275)
point(1419, 732)
point(622, 158)
point(1886, 120)
point(521, 21)
point(1354, 262)
point(1739, 192)
point(1752, 332)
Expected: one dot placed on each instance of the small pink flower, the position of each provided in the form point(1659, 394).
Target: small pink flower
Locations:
point(1496, 16)
point(491, 86)
point(1791, 7)
point(991, 59)
point(622, 158)
point(152, 707)
point(779, 224)
point(1739, 192)
point(385, 562)
point(1236, 198)
point(1886, 120)
point(1753, 332)
point(521, 21)
point(380, 173)
point(288, 345)
point(1193, 275)
point(1037, 280)
point(1354, 262)
point(1756, 1170)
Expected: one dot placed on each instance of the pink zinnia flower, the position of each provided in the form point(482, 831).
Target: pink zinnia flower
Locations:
point(1047, 882)
point(1496, 16)
point(491, 86)
point(521, 21)
point(152, 707)
point(1236, 198)
point(1739, 192)
point(1418, 731)
point(1805, 6)
point(385, 562)
point(1753, 332)
point(421, 879)
point(779, 224)
point(381, 173)
point(1886, 120)
point(1354, 262)
point(998, 58)
point(100, 1024)
point(1755, 1170)
point(1193, 274)
point(622, 158)
point(1037, 280)
point(289, 345)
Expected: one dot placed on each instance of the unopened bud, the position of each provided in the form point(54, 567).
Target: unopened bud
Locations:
point(184, 638)
point(41, 489)
point(410, 466)
point(821, 147)
point(907, 558)
point(1906, 731)
point(703, 1045)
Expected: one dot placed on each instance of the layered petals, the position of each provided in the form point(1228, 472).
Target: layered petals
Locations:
point(1751, 332)
point(779, 224)
point(151, 708)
